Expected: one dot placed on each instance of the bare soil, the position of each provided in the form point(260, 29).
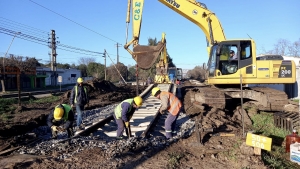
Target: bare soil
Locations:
point(216, 152)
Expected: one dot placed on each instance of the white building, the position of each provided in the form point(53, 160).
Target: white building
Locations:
point(69, 76)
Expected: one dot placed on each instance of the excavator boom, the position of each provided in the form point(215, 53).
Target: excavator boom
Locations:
point(197, 13)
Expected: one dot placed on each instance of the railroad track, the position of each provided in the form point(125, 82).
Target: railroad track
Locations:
point(141, 122)
point(100, 130)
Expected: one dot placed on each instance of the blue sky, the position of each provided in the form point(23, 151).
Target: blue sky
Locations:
point(103, 26)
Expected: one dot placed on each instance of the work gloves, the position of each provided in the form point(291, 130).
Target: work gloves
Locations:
point(57, 128)
point(162, 111)
point(54, 128)
point(127, 124)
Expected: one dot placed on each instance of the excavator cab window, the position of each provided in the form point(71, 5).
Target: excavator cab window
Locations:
point(228, 62)
point(212, 63)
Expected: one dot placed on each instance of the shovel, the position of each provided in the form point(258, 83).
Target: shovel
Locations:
point(128, 130)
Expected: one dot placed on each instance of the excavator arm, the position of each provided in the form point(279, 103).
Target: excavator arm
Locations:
point(145, 56)
point(198, 13)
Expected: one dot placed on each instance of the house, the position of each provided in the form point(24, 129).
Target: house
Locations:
point(38, 77)
point(68, 76)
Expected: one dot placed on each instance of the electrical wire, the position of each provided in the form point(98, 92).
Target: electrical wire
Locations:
point(46, 43)
point(73, 21)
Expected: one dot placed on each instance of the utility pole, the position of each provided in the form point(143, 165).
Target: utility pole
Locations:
point(3, 59)
point(53, 60)
point(104, 55)
point(118, 45)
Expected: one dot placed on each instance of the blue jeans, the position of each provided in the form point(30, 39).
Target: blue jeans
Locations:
point(79, 111)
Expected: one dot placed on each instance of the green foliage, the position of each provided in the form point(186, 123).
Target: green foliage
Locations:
point(263, 124)
point(83, 69)
point(6, 105)
point(45, 100)
point(174, 158)
point(96, 70)
point(114, 70)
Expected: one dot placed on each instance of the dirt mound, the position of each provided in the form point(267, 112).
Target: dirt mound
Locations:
point(102, 86)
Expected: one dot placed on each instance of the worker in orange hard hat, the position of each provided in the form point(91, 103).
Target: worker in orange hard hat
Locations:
point(79, 98)
point(61, 119)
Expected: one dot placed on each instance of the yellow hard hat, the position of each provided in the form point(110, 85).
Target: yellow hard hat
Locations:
point(155, 90)
point(79, 80)
point(58, 113)
point(138, 101)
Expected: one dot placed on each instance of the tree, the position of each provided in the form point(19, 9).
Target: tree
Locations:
point(96, 70)
point(23, 65)
point(114, 70)
point(83, 70)
point(197, 73)
point(131, 73)
point(285, 48)
point(86, 60)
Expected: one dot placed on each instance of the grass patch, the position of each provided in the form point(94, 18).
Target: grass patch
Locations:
point(232, 153)
point(174, 158)
point(44, 99)
point(6, 105)
point(263, 124)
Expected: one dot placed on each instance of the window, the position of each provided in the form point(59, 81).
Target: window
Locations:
point(245, 50)
point(73, 75)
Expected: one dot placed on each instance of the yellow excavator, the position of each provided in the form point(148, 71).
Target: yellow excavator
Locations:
point(231, 63)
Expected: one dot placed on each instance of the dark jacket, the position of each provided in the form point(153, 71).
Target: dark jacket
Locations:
point(126, 111)
point(81, 97)
point(66, 122)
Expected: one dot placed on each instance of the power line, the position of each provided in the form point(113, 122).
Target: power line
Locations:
point(22, 25)
point(73, 21)
point(45, 42)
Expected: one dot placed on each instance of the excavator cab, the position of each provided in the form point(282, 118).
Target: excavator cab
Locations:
point(246, 65)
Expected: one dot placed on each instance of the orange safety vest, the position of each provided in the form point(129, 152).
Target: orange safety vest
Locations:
point(174, 103)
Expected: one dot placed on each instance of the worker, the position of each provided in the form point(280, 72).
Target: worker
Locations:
point(169, 104)
point(79, 98)
point(232, 55)
point(61, 119)
point(123, 113)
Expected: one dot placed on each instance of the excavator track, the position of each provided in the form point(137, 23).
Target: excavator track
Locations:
point(275, 100)
point(266, 99)
point(210, 96)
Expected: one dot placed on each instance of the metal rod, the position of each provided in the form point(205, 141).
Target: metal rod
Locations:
point(242, 110)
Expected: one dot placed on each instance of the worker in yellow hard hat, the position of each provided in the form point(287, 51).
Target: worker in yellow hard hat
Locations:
point(123, 113)
point(171, 105)
point(79, 98)
point(61, 119)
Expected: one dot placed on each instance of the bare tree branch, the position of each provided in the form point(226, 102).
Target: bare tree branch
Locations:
point(86, 60)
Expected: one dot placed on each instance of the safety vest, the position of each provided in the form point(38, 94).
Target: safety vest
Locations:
point(76, 92)
point(118, 109)
point(67, 109)
point(174, 103)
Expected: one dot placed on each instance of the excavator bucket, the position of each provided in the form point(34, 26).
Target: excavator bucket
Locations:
point(145, 56)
